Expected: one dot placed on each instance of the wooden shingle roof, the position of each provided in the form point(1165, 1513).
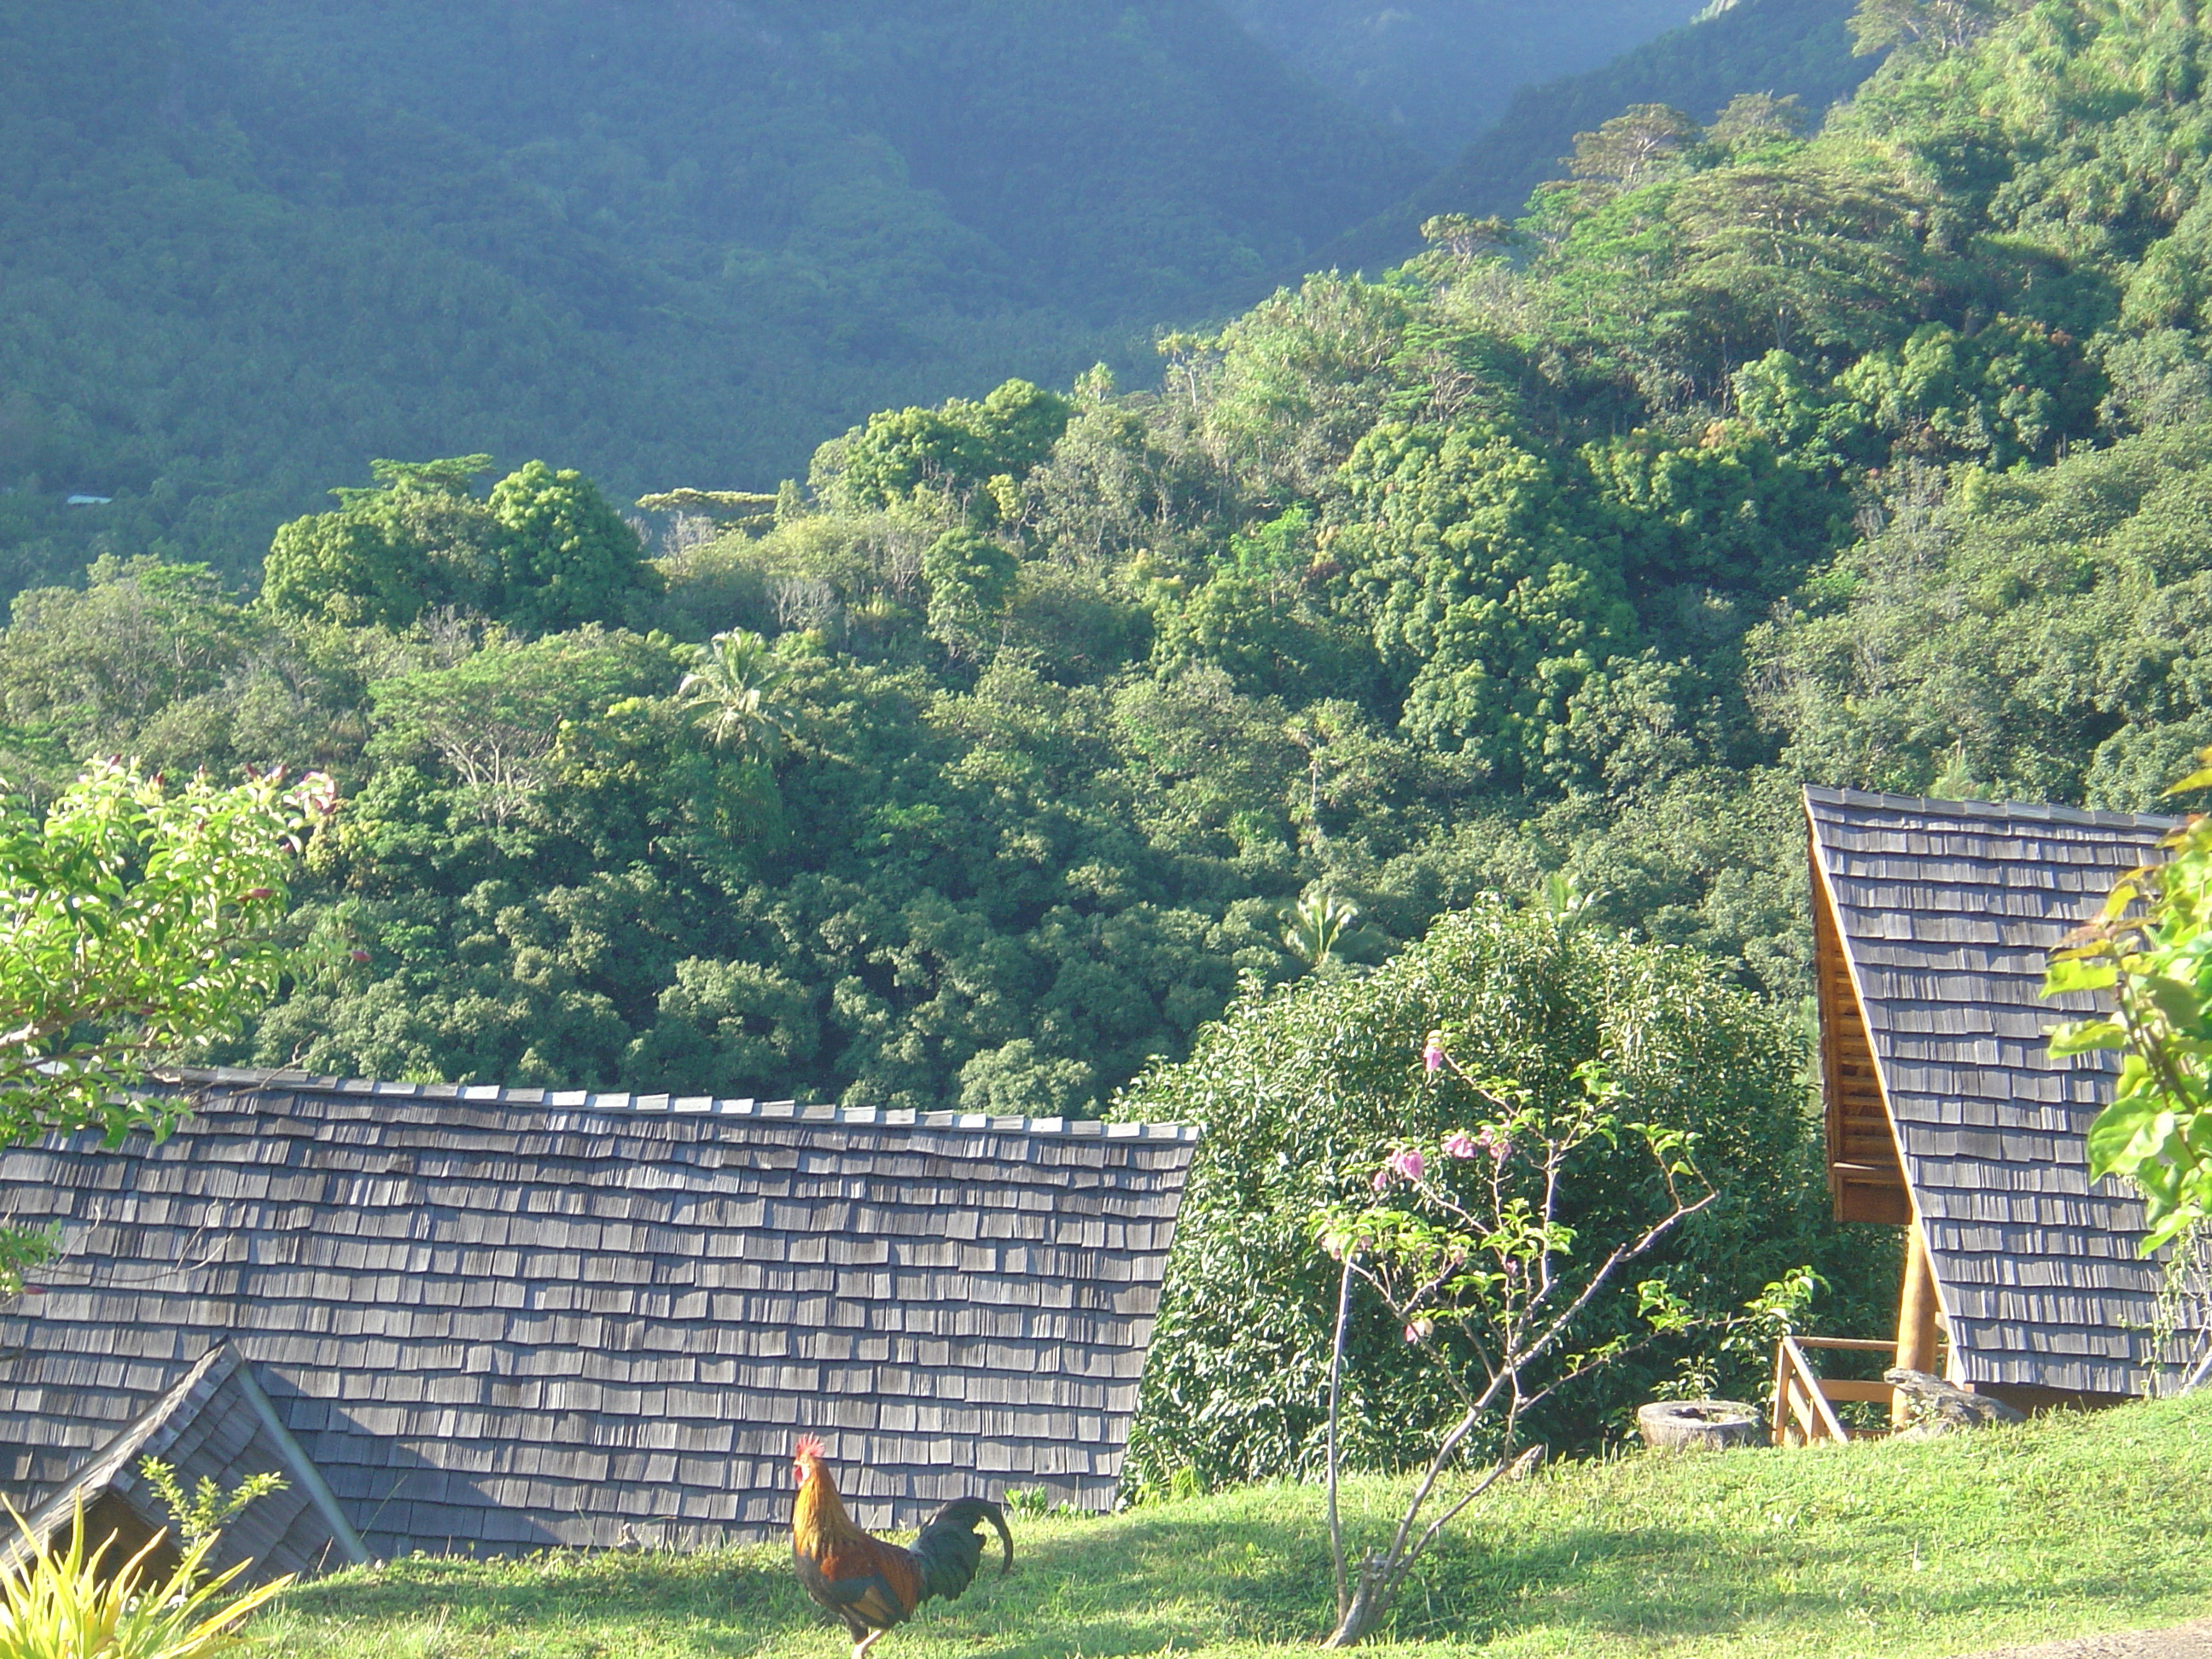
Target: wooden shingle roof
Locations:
point(1946, 911)
point(214, 1424)
point(499, 1319)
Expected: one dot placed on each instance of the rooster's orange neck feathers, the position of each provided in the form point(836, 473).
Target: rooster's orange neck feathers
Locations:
point(819, 1520)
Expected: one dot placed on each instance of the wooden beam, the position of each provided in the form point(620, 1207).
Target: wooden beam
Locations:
point(1798, 1388)
point(1856, 1344)
point(1919, 1318)
point(1847, 1389)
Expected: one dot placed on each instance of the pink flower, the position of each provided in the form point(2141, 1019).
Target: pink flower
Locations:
point(1433, 1056)
point(1382, 1179)
point(1499, 1148)
point(1460, 1144)
point(1409, 1164)
point(1420, 1330)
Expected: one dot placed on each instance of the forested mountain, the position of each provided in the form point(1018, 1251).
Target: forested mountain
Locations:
point(1797, 49)
point(1551, 564)
point(245, 245)
point(1439, 71)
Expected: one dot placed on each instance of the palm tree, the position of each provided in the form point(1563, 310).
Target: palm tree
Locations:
point(738, 688)
point(1316, 926)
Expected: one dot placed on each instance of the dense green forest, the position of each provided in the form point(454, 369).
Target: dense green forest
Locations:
point(246, 245)
point(1568, 550)
point(1436, 72)
point(1444, 649)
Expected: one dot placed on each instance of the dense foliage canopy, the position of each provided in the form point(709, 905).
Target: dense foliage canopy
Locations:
point(980, 766)
point(1787, 49)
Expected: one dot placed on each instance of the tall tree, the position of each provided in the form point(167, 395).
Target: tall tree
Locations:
point(739, 691)
point(1946, 25)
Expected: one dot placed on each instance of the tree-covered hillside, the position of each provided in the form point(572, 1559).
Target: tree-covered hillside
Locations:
point(1438, 71)
point(243, 245)
point(1799, 49)
point(982, 766)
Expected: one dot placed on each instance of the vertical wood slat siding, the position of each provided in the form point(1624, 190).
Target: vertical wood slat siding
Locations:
point(1866, 1183)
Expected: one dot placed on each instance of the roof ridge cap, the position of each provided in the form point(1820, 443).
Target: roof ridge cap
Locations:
point(779, 1111)
point(1940, 806)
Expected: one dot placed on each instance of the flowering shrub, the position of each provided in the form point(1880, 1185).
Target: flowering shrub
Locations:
point(1466, 1232)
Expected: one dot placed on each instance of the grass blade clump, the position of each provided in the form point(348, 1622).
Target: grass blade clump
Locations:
point(60, 1605)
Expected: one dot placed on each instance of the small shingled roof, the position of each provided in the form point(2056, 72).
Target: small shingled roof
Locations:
point(504, 1319)
point(1947, 911)
point(216, 1424)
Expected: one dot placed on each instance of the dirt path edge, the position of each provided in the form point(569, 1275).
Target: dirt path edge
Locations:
point(2182, 1642)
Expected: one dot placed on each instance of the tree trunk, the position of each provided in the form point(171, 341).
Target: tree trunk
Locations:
point(1370, 1603)
point(1335, 1401)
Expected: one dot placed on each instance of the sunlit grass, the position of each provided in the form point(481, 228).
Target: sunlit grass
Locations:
point(2062, 1527)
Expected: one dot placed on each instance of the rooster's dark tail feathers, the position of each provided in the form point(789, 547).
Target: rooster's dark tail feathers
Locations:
point(949, 1549)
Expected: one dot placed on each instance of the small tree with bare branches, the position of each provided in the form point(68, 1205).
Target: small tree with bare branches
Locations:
point(1465, 1234)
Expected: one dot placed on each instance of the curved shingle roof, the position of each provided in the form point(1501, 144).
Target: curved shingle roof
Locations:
point(500, 1319)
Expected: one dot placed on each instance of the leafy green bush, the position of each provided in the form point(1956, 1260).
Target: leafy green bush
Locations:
point(139, 925)
point(2149, 947)
point(1303, 1092)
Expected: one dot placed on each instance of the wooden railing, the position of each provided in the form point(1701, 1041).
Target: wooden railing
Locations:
point(1805, 1401)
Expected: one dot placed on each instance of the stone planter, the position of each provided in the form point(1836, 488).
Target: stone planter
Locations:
point(1699, 1425)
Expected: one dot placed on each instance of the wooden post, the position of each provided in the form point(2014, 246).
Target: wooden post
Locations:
point(1919, 1317)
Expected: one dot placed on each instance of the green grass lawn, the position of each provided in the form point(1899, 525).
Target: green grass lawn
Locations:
point(2063, 1526)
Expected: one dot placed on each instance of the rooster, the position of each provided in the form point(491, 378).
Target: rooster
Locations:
point(868, 1583)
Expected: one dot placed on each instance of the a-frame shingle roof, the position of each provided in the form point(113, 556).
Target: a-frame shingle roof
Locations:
point(1947, 910)
point(214, 1424)
point(503, 1319)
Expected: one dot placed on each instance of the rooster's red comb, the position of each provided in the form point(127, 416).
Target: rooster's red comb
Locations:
point(810, 1445)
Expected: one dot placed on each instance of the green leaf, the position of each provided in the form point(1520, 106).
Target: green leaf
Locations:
point(2067, 973)
point(2112, 1141)
point(2181, 1003)
point(2085, 1036)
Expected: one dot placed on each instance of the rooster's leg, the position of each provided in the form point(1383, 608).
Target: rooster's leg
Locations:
point(860, 1648)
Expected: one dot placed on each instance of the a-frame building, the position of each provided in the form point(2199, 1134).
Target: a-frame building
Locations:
point(1947, 1114)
